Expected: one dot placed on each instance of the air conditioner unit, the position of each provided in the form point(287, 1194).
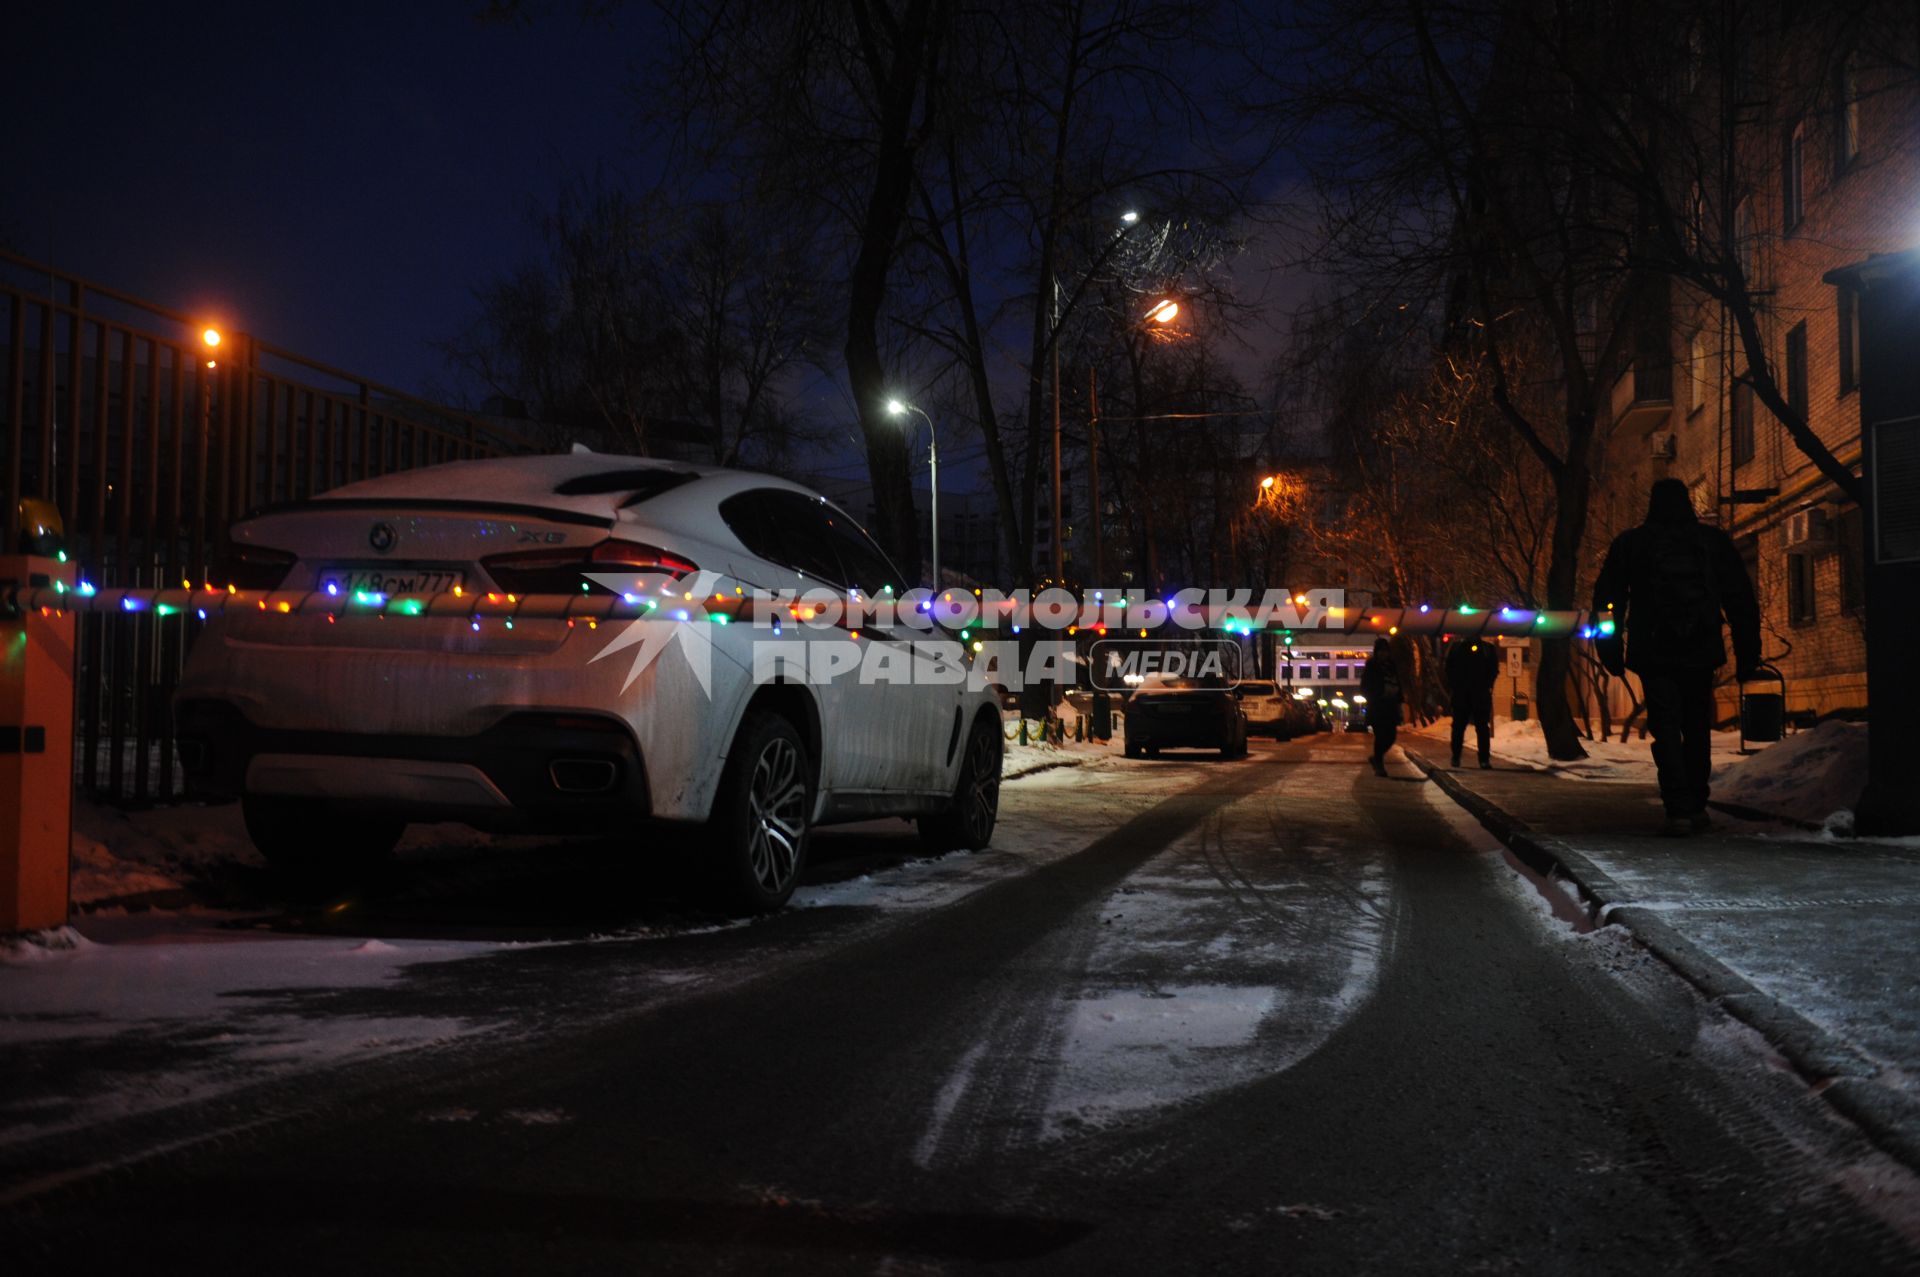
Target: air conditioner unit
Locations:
point(1808, 529)
point(1664, 444)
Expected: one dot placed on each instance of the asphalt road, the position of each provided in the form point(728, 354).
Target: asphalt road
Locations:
point(1191, 1015)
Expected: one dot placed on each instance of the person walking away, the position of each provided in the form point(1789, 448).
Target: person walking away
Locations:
point(1668, 583)
point(1380, 684)
point(1472, 668)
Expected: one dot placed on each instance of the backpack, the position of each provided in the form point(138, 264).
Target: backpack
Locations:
point(1675, 605)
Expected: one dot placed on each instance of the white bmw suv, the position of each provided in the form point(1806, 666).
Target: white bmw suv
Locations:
point(335, 726)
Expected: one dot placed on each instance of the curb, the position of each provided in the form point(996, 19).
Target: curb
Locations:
point(1835, 1070)
point(1050, 764)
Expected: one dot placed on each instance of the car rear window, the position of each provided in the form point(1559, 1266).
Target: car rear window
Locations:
point(643, 484)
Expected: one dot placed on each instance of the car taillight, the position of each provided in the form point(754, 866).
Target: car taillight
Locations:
point(564, 571)
point(251, 567)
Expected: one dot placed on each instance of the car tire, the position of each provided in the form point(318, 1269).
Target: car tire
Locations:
point(1133, 749)
point(1152, 751)
point(313, 839)
point(762, 815)
point(968, 820)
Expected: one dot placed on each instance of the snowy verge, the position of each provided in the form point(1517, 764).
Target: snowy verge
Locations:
point(1811, 777)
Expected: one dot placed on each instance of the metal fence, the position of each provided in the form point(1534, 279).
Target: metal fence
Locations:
point(151, 442)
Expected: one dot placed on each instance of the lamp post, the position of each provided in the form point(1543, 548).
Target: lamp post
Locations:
point(1128, 220)
point(1161, 312)
point(900, 408)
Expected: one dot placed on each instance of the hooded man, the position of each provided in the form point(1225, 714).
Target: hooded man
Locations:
point(1472, 667)
point(1380, 684)
point(1667, 584)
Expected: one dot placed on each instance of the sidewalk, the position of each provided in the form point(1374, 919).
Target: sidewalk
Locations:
point(1814, 942)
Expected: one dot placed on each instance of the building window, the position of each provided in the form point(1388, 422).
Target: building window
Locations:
point(1797, 370)
point(1800, 610)
point(1852, 546)
point(1846, 115)
point(1741, 434)
point(1847, 312)
point(1793, 193)
point(1696, 372)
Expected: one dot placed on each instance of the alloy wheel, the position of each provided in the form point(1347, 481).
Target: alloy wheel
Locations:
point(778, 799)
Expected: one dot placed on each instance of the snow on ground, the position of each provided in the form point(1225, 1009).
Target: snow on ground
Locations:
point(1183, 995)
point(1021, 760)
point(1808, 776)
point(219, 996)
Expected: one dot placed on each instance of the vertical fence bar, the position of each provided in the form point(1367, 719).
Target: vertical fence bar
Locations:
point(16, 410)
point(76, 371)
point(49, 398)
point(248, 425)
point(313, 450)
point(176, 448)
point(102, 413)
point(333, 442)
point(152, 484)
point(223, 403)
point(129, 415)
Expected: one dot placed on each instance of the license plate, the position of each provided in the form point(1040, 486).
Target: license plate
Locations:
point(392, 578)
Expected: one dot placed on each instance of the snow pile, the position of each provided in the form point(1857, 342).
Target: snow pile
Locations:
point(117, 854)
point(1038, 754)
point(1809, 776)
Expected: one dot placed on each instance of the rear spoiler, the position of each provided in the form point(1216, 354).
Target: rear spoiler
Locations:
point(439, 505)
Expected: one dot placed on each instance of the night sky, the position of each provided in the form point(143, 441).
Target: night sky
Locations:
point(334, 179)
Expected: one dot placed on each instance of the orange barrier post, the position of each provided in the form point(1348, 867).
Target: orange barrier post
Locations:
point(36, 749)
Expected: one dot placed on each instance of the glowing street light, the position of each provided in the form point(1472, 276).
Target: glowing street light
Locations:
point(1163, 311)
point(1267, 483)
point(1129, 217)
point(900, 408)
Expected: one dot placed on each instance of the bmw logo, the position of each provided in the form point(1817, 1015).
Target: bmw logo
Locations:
point(382, 537)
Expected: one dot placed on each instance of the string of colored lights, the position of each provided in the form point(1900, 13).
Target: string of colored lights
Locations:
point(668, 602)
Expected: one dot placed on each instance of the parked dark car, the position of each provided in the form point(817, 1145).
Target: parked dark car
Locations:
point(1183, 714)
point(1303, 716)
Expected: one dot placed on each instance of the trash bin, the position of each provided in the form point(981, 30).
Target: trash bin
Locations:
point(1521, 708)
point(1763, 715)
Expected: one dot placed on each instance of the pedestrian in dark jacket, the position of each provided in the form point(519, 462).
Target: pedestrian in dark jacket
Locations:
point(1668, 582)
point(1380, 683)
point(1472, 666)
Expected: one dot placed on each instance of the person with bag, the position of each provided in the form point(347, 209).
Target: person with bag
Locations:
point(1666, 585)
point(1472, 667)
point(1380, 684)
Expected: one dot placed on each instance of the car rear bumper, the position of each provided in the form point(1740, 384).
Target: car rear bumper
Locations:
point(530, 770)
point(1177, 732)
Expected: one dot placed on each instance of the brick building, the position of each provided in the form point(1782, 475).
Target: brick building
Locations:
point(1825, 173)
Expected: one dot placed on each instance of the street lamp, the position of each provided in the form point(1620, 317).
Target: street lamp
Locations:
point(900, 408)
point(210, 338)
point(1161, 312)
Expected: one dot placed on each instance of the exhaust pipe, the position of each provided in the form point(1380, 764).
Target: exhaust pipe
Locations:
point(583, 775)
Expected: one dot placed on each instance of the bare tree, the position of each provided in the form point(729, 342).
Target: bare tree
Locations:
point(643, 313)
point(828, 104)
